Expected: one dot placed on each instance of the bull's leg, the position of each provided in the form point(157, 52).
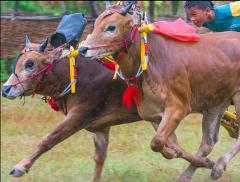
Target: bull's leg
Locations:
point(221, 163)
point(101, 143)
point(66, 128)
point(170, 121)
point(210, 129)
point(173, 150)
point(167, 152)
point(167, 126)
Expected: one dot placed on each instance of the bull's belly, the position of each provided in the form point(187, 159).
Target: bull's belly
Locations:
point(151, 107)
point(150, 111)
point(207, 103)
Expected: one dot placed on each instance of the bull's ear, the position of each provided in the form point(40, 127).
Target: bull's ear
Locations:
point(53, 55)
point(27, 42)
point(43, 46)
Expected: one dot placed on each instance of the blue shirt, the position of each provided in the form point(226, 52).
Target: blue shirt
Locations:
point(227, 18)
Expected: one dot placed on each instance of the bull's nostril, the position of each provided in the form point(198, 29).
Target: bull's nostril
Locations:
point(83, 50)
point(6, 89)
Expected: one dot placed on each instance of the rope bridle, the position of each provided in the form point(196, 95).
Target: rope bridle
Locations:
point(126, 42)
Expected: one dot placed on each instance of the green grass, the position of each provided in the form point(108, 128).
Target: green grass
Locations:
point(130, 158)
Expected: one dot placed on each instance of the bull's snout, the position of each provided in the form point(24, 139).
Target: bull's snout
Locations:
point(5, 90)
point(83, 50)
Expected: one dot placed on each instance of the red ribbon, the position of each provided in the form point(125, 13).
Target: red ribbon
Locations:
point(53, 104)
point(132, 93)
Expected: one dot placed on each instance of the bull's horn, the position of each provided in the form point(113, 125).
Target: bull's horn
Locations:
point(107, 5)
point(43, 46)
point(126, 9)
point(27, 42)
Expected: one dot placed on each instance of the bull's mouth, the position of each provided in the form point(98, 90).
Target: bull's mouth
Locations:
point(9, 96)
point(13, 93)
point(96, 53)
point(98, 56)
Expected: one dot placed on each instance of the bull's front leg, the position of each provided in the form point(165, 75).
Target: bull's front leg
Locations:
point(101, 139)
point(171, 118)
point(70, 125)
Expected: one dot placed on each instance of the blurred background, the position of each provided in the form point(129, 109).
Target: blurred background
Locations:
point(130, 158)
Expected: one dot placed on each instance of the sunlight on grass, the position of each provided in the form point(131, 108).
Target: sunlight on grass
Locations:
point(130, 158)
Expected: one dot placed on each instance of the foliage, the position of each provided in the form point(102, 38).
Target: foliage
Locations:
point(5, 70)
point(54, 8)
point(6, 67)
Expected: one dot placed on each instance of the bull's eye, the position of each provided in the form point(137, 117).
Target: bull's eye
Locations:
point(29, 64)
point(111, 28)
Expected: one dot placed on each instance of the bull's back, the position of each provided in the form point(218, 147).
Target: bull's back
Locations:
point(217, 77)
point(210, 66)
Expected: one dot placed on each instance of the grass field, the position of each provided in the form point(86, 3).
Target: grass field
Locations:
point(130, 158)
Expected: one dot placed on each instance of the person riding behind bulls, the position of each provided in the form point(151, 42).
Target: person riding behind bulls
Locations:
point(217, 19)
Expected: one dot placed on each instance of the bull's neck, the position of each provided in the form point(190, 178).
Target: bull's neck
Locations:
point(131, 61)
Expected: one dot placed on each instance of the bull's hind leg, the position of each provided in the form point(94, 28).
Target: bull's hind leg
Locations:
point(210, 129)
point(70, 125)
point(221, 163)
point(101, 143)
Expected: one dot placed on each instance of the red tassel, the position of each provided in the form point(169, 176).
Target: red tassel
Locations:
point(130, 94)
point(53, 105)
point(108, 64)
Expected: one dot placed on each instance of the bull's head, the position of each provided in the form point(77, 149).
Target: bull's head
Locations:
point(110, 28)
point(30, 61)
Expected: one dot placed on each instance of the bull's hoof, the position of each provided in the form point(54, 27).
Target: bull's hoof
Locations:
point(156, 145)
point(155, 148)
point(216, 173)
point(17, 172)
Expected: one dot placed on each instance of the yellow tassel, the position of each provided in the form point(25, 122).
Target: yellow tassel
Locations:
point(143, 51)
point(71, 65)
point(116, 72)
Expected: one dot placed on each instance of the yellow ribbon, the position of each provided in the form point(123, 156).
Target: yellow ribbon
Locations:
point(71, 57)
point(143, 51)
point(116, 72)
point(144, 29)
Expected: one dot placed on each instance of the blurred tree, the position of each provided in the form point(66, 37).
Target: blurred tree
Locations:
point(175, 5)
point(64, 7)
point(15, 8)
point(151, 10)
point(94, 8)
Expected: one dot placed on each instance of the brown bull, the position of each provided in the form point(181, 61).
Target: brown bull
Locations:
point(96, 106)
point(181, 78)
